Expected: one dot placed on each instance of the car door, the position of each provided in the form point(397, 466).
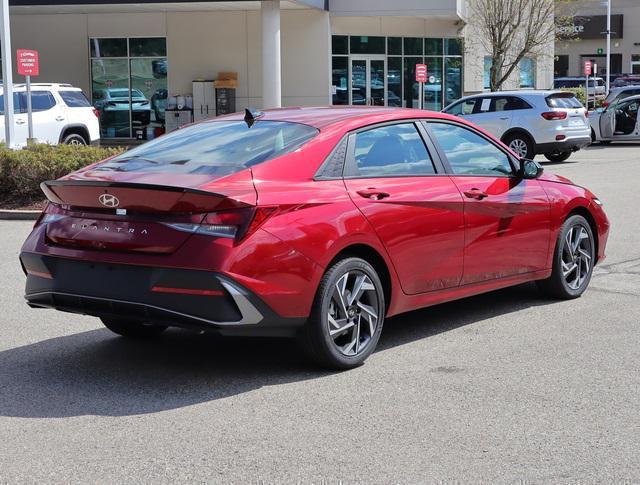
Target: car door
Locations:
point(619, 121)
point(398, 183)
point(49, 116)
point(507, 219)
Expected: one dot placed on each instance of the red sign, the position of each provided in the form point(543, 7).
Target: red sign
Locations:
point(421, 73)
point(587, 68)
point(28, 62)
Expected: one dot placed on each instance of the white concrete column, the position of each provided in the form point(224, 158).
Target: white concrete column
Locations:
point(271, 65)
point(7, 73)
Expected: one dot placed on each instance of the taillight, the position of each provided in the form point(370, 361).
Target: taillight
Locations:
point(232, 224)
point(586, 113)
point(605, 104)
point(51, 213)
point(554, 115)
point(96, 112)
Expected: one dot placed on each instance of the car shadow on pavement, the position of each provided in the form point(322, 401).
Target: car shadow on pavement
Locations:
point(97, 373)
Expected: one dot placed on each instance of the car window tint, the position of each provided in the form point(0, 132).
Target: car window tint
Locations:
point(465, 107)
point(16, 103)
point(40, 101)
point(74, 99)
point(514, 103)
point(392, 150)
point(214, 148)
point(470, 154)
point(563, 100)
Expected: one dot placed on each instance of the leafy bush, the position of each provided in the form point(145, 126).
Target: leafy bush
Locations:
point(22, 171)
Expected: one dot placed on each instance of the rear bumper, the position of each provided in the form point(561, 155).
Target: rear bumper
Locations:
point(571, 144)
point(199, 300)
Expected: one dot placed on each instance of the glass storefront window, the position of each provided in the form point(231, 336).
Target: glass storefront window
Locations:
point(364, 44)
point(433, 86)
point(433, 47)
point(486, 73)
point(148, 47)
point(108, 48)
point(452, 47)
point(412, 46)
point(394, 81)
point(452, 80)
point(340, 44)
point(527, 73)
point(394, 46)
point(129, 92)
point(339, 80)
point(356, 76)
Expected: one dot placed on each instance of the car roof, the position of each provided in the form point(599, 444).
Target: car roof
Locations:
point(325, 116)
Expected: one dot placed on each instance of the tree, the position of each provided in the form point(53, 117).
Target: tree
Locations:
point(511, 30)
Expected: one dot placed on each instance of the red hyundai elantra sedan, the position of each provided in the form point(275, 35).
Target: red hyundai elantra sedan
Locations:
point(308, 222)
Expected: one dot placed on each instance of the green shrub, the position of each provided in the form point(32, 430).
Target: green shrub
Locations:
point(22, 171)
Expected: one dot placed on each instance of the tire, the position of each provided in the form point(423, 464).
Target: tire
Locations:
point(338, 336)
point(521, 144)
point(74, 139)
point(133, 328)
point(557, 157)
point(572, 268)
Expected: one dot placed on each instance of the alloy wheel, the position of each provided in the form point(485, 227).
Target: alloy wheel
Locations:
point(353, 313)
point(519, 147)
point(577, 256)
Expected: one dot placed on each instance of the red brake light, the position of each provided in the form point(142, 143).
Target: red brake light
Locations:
point(96, 112)
point(605, 104)
point(233, 224)
point(554, 115)
point(586, 113)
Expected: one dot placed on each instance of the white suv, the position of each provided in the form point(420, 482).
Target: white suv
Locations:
point(550, 123)
point(61, 114)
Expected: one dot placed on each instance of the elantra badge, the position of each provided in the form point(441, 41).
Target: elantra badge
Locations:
point(109, 200)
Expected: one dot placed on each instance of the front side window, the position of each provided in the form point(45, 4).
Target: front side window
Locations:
point(389, 151)
point(469, 153)
point(213, 148)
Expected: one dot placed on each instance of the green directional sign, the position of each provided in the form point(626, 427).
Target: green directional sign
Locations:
point(600, 51)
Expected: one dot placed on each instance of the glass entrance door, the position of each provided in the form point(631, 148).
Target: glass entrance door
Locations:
point(368, 80)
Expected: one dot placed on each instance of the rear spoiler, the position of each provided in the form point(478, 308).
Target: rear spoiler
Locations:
point(135, 197)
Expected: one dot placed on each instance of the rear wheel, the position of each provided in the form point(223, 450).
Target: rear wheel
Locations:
point(573, 260)
point(557, 157)
point(347, 316)
point(521, 144)
point(133, 328)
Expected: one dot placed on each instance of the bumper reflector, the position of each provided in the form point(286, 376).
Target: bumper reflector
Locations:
point(187, 291)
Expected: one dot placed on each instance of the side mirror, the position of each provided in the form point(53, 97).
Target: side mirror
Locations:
point(530, 169)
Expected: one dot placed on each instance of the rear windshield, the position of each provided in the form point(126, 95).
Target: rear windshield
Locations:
point(563, 100)
point(216, 147)
point(75, 99)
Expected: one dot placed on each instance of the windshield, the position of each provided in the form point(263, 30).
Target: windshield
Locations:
point(215, 147)
point(563, 100)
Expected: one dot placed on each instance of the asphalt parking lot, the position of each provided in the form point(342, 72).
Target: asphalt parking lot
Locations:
point(503, 387)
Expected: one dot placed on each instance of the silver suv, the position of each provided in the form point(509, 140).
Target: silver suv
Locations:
point(549, 123)
point(618, 94)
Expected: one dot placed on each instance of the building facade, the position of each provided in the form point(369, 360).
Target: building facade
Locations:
point(130, 58)
point(587, 39)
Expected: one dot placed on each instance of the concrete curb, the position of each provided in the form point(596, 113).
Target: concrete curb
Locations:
point(19, 215)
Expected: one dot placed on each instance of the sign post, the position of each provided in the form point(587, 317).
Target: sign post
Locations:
point(28, 65)
point(7, 73)
point(421, 78)
point(587, 73)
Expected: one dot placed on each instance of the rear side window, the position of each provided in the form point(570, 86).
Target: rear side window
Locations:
point(508, 103)
point(563, 100)
point(216, 148)
point(75, 99)
point(389, 151)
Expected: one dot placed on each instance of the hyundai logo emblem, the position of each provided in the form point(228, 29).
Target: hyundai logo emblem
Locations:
point(109, 200)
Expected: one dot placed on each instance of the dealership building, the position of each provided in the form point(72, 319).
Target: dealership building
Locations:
point(587, 38)
point(279, 53)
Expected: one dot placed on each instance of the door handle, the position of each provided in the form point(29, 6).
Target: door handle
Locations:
point(20, 122)
point(59, 118)
point(475, 194)
point(373, 194)
point(504, 118)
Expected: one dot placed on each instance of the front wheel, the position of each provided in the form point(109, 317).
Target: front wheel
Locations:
point(347, 316)
point(557, 157)
point(133, 328)
point(573, 260)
